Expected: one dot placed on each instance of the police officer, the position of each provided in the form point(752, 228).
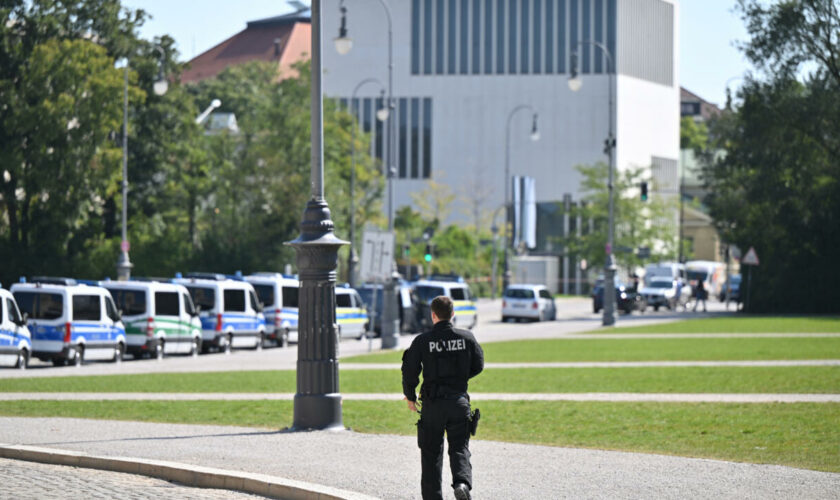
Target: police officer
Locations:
point(448, 358)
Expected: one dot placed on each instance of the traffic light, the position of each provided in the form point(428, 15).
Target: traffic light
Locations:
point(644, 191)
point(428, 255)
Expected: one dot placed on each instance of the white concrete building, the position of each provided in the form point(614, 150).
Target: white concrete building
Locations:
point(462, 66)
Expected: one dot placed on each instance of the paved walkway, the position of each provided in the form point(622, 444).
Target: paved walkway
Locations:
point(28, 480)
point(617, 364)
point(388, 466)
point(476, 397)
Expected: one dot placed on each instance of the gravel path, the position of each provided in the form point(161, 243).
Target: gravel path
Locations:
point(387, 466)
point(476, 397)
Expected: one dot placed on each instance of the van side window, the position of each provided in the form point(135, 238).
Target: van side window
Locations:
point(87, 307)
point(188, 304)
point(111, 310)
point(40, 305)
point(234, 301)
point(265, 294)
point(14, 314)
point(255, 304)
point(427, 293)
point(343, 300)
point(166, 304)
point(290, 296)
point(205, 298)
point(2, 312)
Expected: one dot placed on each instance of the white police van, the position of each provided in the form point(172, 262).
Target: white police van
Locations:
point(465, 313)
point(71, 322)
point(279, 296)
point(159, 317)
point(15, 341)
point(350, 313)
point(230, 314)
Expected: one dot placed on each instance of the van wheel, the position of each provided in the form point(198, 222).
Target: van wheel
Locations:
point(119, 352)
point(59, 362)
point(159, 353)
point(195, 348)
point(79, 358)
point(505, 319)
point(23, 360)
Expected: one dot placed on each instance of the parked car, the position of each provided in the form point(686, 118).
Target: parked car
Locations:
point(15, 340)
point(350, 313)
point(159, 317)
point(734, 289)
point(279, 296)
point(626, 299)
point(231, 316)
point(465, 314)
point(532, 302)
point(407, 305)
point(71, 322)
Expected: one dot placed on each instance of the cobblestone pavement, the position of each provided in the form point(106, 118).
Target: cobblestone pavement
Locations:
point(30, 480)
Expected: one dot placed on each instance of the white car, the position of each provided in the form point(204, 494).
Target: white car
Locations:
point(532, 302)
point(660, 292)
point(15, 340)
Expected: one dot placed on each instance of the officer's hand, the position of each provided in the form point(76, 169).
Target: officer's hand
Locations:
point(411, 405)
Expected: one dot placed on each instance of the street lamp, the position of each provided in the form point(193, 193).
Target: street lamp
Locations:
point(575, 83)
point(160, 87)
point(389, 319)
point(317, 400)
point(215, 103)
point(352, 258)
point(535, 136)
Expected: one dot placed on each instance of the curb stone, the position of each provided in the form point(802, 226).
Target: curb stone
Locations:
point(187, 475)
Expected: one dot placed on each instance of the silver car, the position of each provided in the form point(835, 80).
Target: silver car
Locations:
point(532, 302)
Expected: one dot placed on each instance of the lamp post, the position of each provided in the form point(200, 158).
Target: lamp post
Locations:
point(535, 136)
point(575, 84)
point(381, 115)
point(160, 87)
point(344, 43)
point(317, 400)
point(495, 230)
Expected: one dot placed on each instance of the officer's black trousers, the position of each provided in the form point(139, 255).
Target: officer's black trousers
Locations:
point(452, 416)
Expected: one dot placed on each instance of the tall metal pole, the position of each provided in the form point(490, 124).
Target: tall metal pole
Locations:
point(508, 217)
point(124, 264)
point(352, 258)
point(317, 400)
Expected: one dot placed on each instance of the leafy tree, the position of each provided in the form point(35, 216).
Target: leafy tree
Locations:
point(693, 135)
point(637, 224)
point(778, 187)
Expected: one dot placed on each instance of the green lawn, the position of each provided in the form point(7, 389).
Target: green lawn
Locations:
point(808, 379)
point(799, 435)
point(739, 324)
point(656, 349)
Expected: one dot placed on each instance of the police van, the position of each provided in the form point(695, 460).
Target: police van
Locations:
point(159, 317)
point(15, 341)
point(279, 296)
point(465, 313)
point(71, 322)
point(350, 313)
point(230, 314)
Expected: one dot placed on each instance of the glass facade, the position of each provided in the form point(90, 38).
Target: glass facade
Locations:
point(413, 132)
point(527, 37)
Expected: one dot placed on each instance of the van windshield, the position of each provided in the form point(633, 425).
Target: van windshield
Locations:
point(426, 293)
point(205, 298)
point(697, 275)
point(519, 293)
point(39, 305)
point(265, 294)
point(131, 302)
point(290, 296)
point(343, 300)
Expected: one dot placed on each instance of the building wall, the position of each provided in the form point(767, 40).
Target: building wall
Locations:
point(471, 105)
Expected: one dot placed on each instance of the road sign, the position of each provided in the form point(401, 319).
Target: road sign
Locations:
point(377, 256)
point(751, 259)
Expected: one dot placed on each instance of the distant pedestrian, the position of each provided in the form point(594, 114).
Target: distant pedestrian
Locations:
point(677, 292)
point(448, 357)
point(701, 295)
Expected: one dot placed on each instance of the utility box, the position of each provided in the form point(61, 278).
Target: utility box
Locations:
point(537, 270)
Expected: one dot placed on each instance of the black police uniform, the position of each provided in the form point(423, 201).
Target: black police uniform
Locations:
point(448, 358)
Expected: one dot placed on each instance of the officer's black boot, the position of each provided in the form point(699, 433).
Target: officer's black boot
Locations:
point(462, 492)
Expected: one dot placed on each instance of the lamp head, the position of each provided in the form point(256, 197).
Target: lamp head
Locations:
point(343, 43)
point(383, 112)
point(574, 80)
point(161, 86)
point(535, 133)
point(216, 103)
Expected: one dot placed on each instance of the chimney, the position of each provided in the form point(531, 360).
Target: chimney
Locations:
point(277, 42)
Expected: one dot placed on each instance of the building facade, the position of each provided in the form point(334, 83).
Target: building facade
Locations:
point(462, 66)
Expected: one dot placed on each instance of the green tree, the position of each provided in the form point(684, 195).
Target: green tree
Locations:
point(778, 187)
point(638, 224)
point(694, 135)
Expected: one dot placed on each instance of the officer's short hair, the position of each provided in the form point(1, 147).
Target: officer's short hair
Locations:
point(442, 307)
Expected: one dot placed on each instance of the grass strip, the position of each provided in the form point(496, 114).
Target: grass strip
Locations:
point(799, 435)
point(739, 324)
point(664, 349)
point(807, 379)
